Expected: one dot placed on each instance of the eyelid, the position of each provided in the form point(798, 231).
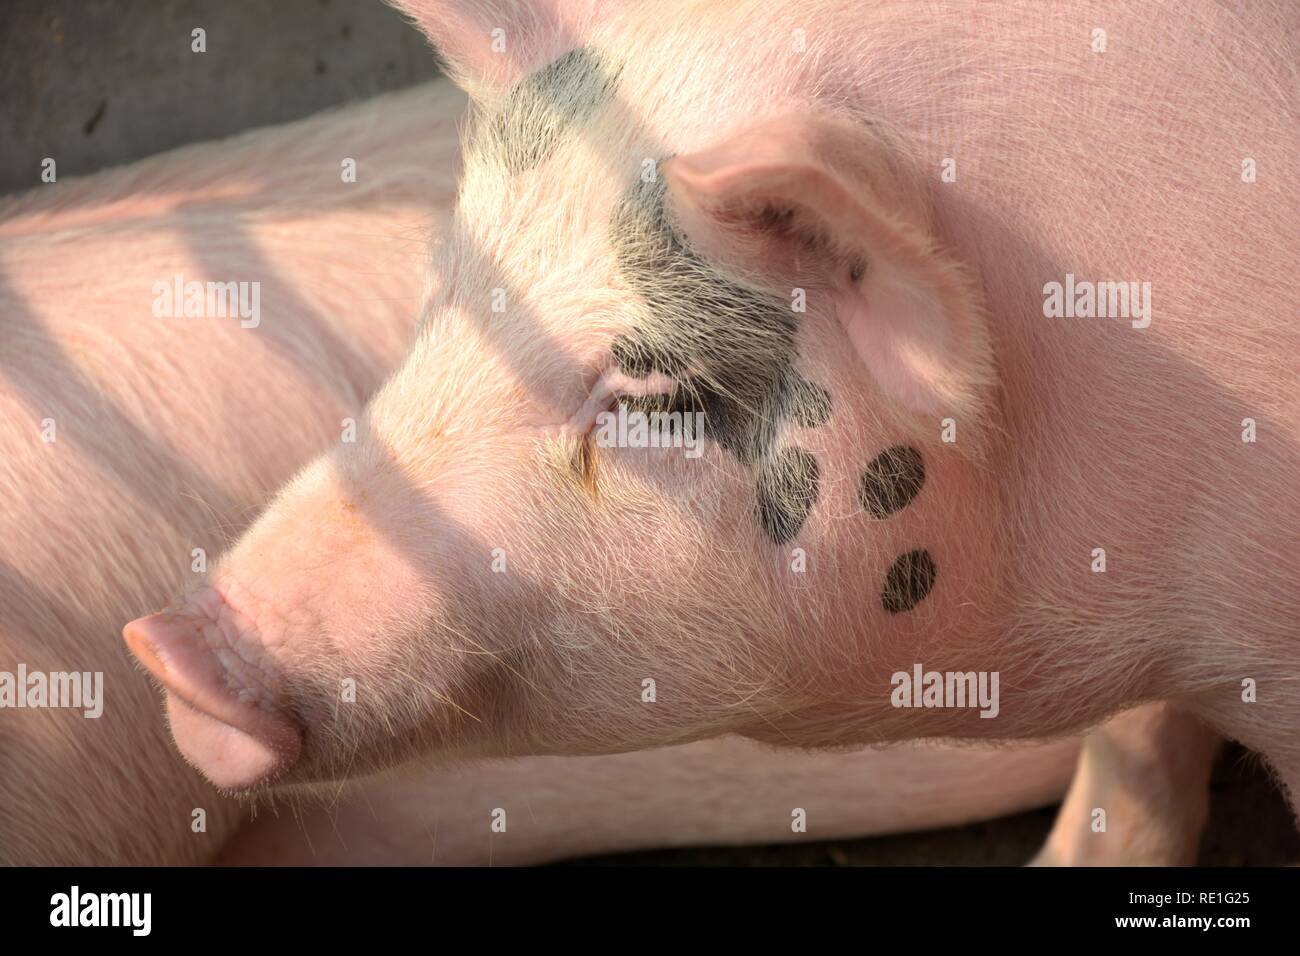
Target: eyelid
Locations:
point(609, 388)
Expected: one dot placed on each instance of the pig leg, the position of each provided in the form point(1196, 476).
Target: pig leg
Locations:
point(1148, 769)
point(726, 791)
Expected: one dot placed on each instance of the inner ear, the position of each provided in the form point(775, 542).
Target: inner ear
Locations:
point(770, 234)
point(801, 244)
point(819, 202)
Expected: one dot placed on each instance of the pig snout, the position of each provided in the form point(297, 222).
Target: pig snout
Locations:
point(222, 716)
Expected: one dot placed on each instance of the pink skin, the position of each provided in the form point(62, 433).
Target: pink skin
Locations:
point(376, 564)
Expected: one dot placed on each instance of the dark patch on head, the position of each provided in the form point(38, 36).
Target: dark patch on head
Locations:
point(908, 581)
point(806, 403)
point(787, 490)
point(730, 347)
point(640, 361)
point(891, 481)
point(535, 114)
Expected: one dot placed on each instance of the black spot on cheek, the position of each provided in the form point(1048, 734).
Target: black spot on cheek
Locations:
point(891, 481)
point(908, 581)
point(787, 491)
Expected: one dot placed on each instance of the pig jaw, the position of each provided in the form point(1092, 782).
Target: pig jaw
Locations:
point(222, 716)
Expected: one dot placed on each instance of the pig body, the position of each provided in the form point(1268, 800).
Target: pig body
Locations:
point(168, 431)
point(847, 249)
point(720, 792)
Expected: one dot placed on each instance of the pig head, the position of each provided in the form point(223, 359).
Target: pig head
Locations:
point(486, 566)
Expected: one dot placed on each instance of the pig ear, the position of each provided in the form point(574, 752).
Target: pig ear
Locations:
point(820, 202)
point(488, 47)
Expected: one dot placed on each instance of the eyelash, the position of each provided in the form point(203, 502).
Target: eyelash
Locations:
point(646, 403)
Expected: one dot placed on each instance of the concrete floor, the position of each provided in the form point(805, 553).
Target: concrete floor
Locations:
point(95, 83)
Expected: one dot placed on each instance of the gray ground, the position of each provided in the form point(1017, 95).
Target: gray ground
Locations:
point(94, 83)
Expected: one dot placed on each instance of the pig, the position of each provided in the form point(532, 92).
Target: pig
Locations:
point(841, 235)
point(102, 521)
point(128, 440)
